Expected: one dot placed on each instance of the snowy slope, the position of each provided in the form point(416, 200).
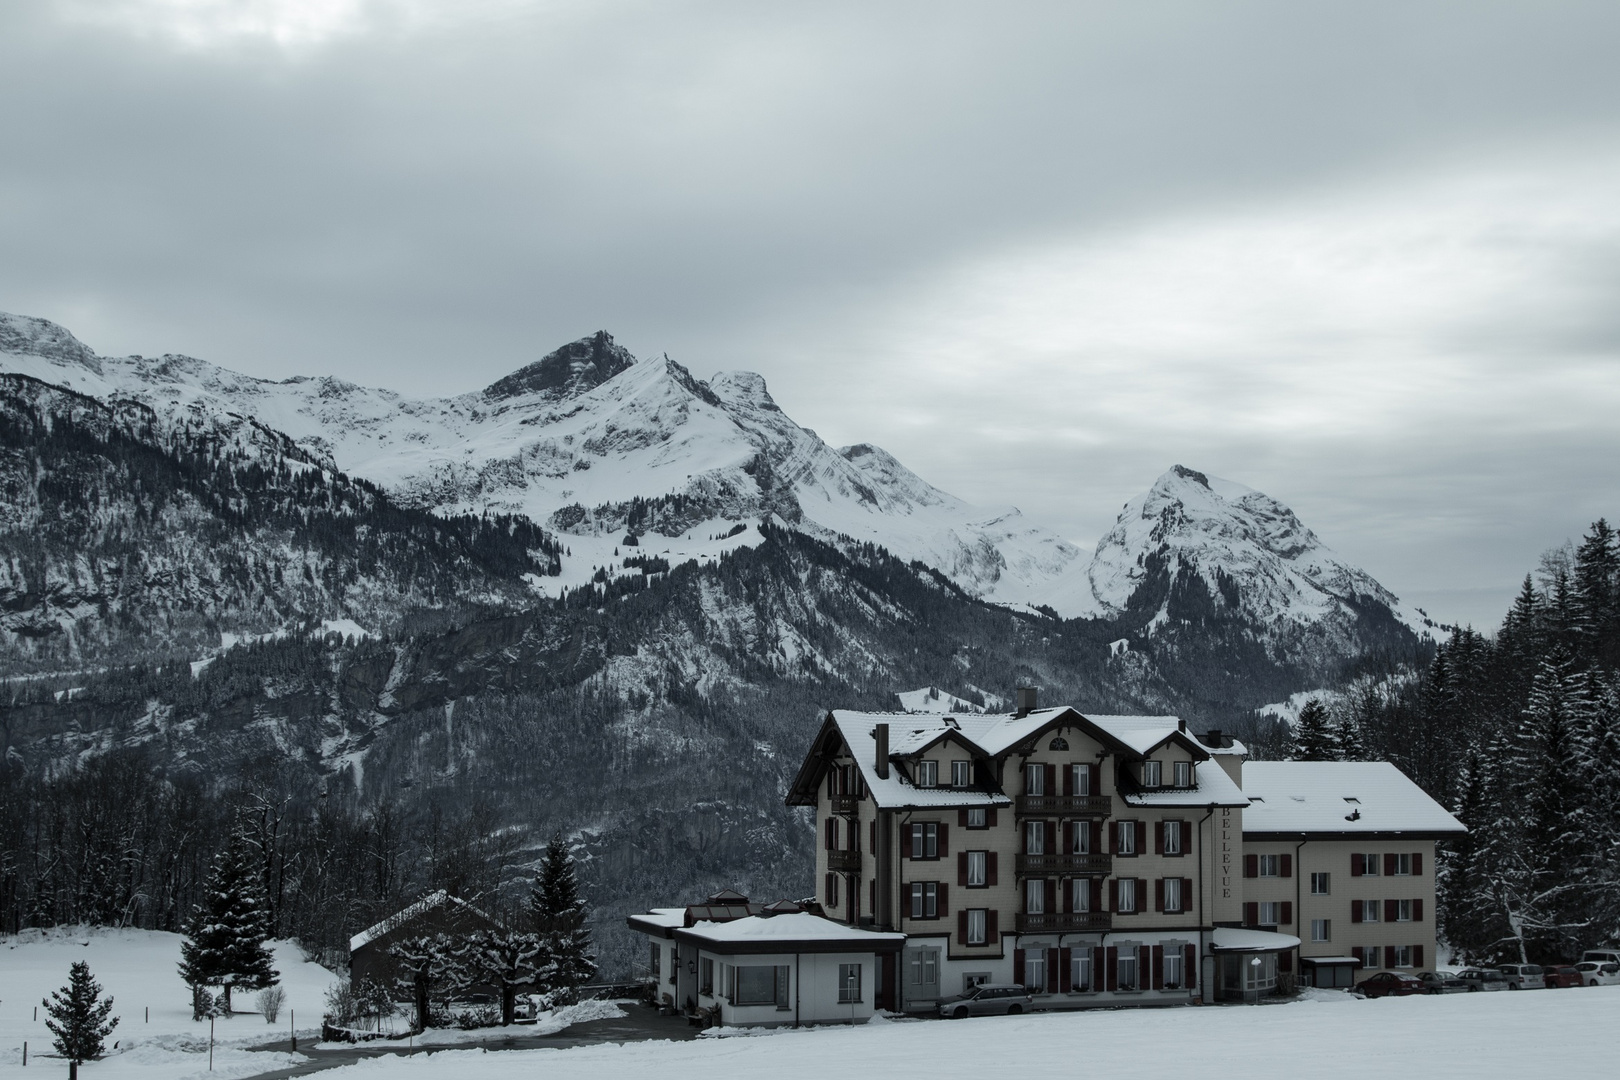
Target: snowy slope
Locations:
point(574, 438)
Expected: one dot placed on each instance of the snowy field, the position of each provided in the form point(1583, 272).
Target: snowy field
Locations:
point(1473, 1036)
point(137, 967)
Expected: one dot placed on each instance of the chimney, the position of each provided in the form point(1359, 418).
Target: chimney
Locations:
point(881, 735)
point(1212, 737)
point(1026, 702)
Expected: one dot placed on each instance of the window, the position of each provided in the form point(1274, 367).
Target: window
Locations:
point(758, 985)
point(1152, 774)
point(1320, 884)
point(1127, 838)
point(974, 978)
point(925, 840)
point(1172, 894)
point(832, 890)
point(849, 984)
point(1321, 929)
point(1080, 783)
point(706, 977)
point(1271, 866)
point(928, 774)
point(925, 899)
point(1035, 970)
point(1127, 968)
point(1183, 771)
point(977, 877)
point(1127, 895)
point(1080, 971)
point(978, 819)
point(1270, 913)
point(1403, 865)
point(1058, 743)
point(657, 962)
point(1403, 911)
point(961, 773)
point(1035, 838)
point(1175, 965)
point(1035, 896)
point(1172, 838)
point(1082, 894)
point(1081, 831)
point(924, 966)
point(1369, 910)
point(1369, 865)
point(976, 924)
point(1034, 778)
point(1403, 956)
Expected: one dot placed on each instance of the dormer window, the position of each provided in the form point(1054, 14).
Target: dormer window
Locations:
point(961, 773)
point(1183, 774)
point(927, 774)
point(1152, 774)
point(1058, 743)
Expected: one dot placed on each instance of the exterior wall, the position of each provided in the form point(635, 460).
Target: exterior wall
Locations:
point(1334, 857)
point(665, 986)
point(812, 990)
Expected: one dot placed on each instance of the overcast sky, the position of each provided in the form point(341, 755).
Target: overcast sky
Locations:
point(1364, 257)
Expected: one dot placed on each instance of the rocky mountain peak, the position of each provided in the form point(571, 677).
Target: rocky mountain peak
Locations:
point(573, 369)
point(24, 335)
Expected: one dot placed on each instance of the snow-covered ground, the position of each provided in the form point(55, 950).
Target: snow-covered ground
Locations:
point(1327, 1037)
point(548, 1024)
point(137, 967)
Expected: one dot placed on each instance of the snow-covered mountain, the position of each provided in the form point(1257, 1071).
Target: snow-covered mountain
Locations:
point(594, 443)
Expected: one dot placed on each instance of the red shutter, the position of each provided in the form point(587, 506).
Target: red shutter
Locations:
point(1158, 967)
point(1287, 866)
point(1158, 894)
point(944, 907)
point(1417, 864)
point(1096, 838)
point(1065, 971)
point(1355, 911)
point(944, 846)
point(990, 817)
point(1018, 966)
point(1389, 865)
point(1112, 973)
point(1068, 894)
point(1187, 898)
point(1113, 894)
point(1096, 779)
point(1417, 956)
point(1053, 967)
point(872, 896)
point(1068, 781)
point(1051, 779)
point(1096, 894)
point(1141, 894)
point(1051, 837)
point(1417, 910)
point(1251, 866)
point(1051, 894)
point(1158, 839)
point(873, 831)
point(992, 929)
point(832, 826)
point(961, 818)
point(990, 868)
point(1186, 838)
point(1391, 911)
point(1389, 956)
point(961, 868)
point(1357, 865)
point(832, 890)
point(1189, 975)
point(1288, 913)
point(1069, 828)
point(961, 927)
point(1251, 914)
point(905, 841)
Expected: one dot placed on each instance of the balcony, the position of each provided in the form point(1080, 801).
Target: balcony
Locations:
point(847, 805)
point(1064, 806)
point(846, 862)
point(1065, 922)
point(1065, 865)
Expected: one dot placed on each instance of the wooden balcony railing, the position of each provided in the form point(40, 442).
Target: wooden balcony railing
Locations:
point(847, 805)
point(1064, 806)
point(848, 862)
point(1065, 865)
point(1065, 922)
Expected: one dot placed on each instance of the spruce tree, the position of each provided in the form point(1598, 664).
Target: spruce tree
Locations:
point(1313, 739)
point(78, 1016)
point(558, 916)
point(225, 943)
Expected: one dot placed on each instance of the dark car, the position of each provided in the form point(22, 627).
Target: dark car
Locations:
point(1443, 982)
point(990, 999)
point(1391, 984)
point(1560, 975)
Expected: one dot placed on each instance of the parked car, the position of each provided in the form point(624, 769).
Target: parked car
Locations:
point(1594, 973)
point(988, 999)
point(1443, 982)
point(1561, 975)
point(1523, 976)
point(1483, 979)
point(1391, 984)
point(1601, 956)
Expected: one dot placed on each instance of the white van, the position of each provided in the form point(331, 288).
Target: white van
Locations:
point(1601, 956)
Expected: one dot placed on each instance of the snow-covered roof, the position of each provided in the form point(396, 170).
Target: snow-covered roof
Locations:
point(1330, 960)
point(405, 915)
point(665, 916)
point(1351, 797)
point(1211, 786)
point(1239, 939)
point(760, 934)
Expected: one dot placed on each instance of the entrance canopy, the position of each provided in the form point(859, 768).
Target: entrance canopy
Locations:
point(1232, 939)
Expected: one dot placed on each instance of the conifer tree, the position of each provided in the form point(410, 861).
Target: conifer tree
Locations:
point(1313, 739)
point(558, 916)
point(225, 943)
point(78, 1016)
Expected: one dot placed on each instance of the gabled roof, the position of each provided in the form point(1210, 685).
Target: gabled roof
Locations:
point(1351, 798)
point(1211, 787)
point(789, 933)
point(400, 918)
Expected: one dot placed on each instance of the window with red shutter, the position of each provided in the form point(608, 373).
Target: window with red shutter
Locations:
point(1287, 865)
point(990, 868)
point(1251, 866)
point(1357, 866)
point(1251, 914)
point(961, 927)
point(1288, 913)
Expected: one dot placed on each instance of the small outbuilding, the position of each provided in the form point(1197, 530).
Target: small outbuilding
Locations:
point(436, 913)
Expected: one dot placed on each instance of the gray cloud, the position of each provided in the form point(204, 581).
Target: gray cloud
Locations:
point(1009, 242)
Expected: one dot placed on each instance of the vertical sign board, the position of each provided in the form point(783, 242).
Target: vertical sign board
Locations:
point(1226, 854)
